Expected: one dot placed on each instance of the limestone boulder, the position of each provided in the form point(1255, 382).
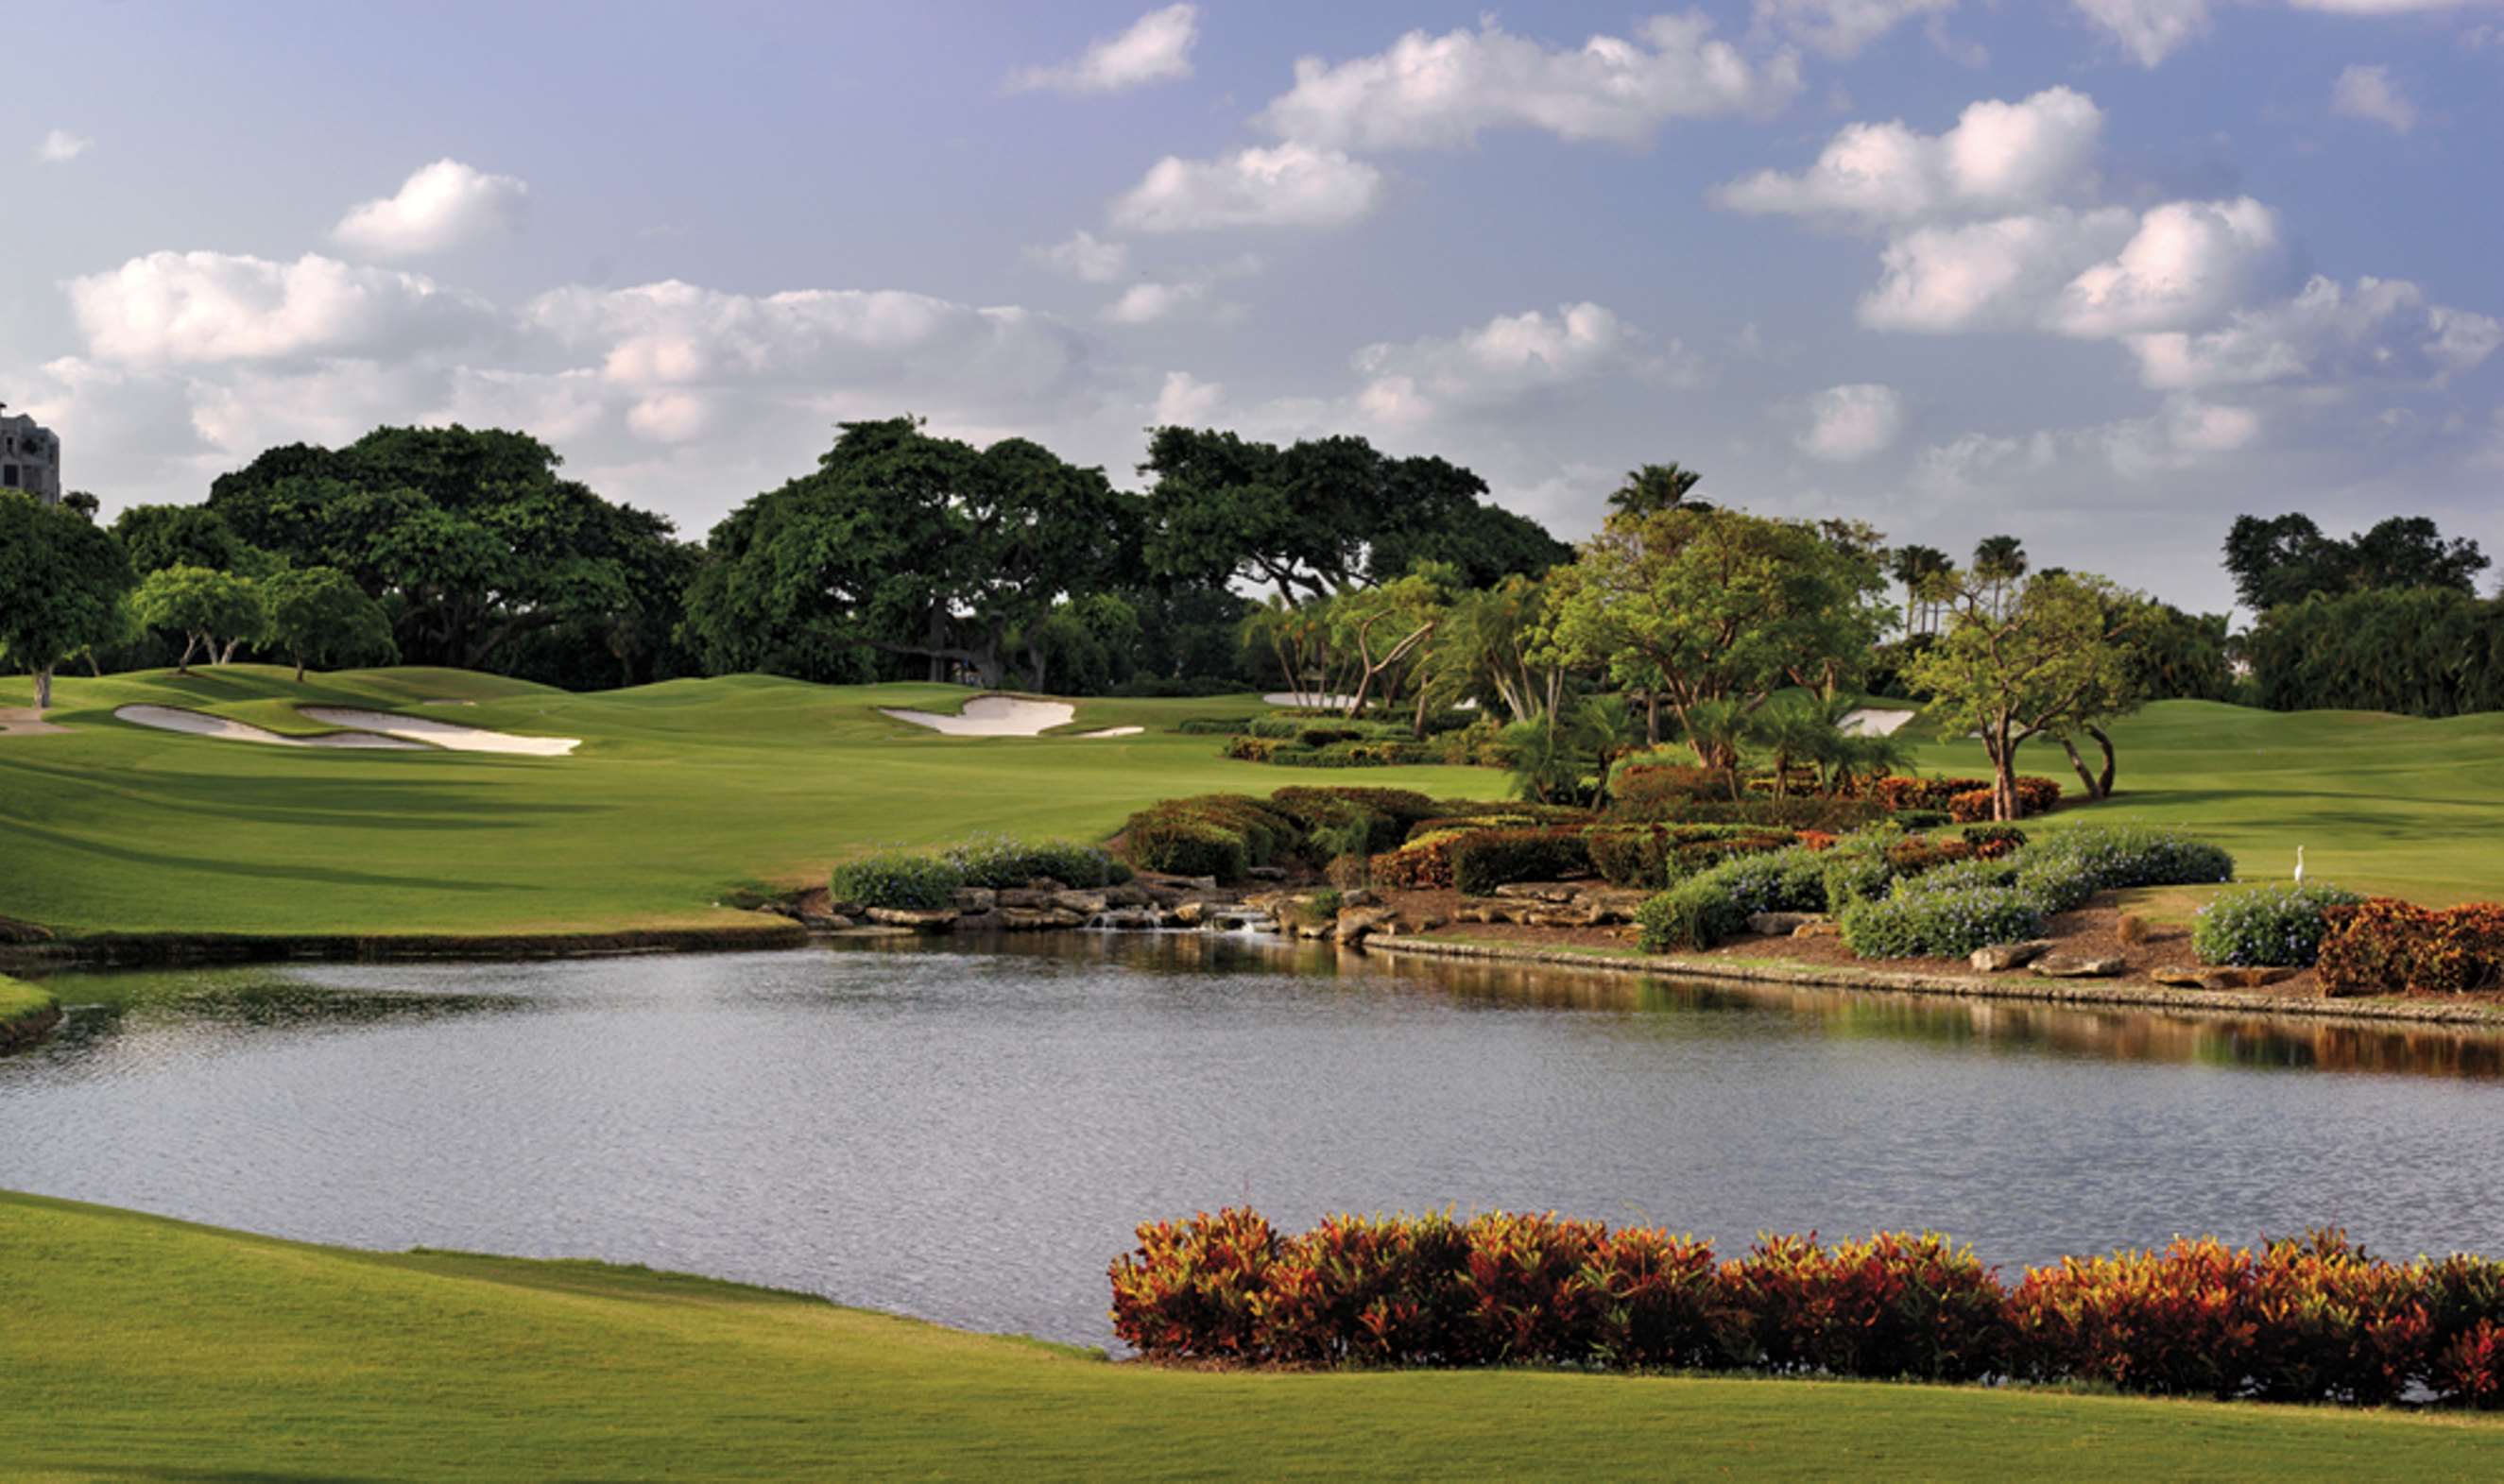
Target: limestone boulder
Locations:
point(1779, 924)
point(2076, 966)
point(934, 919)
point(2000, 957)
point(1355, 923)
point(976, 899)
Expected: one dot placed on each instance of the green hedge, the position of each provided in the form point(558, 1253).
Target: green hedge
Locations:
point(897, 880)
point(999, 862)
point(1492, 858)
point(2278, 926)
point(1940, 923)
point(1691, 914)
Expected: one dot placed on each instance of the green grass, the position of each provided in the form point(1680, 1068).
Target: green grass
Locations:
point(21, 1001)
point(685, 790)
point(142, 1348)
point(2381, 804)
point(680, 792)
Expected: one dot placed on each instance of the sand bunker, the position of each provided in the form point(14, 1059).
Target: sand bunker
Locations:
point(446, 735)
point(167, 719)
point(1004, 716)
point(1869, 721)
point(26, 721)
point(1305, 701)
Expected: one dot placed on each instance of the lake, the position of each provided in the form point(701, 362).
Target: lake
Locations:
point(969, 1134)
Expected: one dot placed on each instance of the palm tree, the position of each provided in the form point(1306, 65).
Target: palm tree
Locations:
point(1999, 560)
point(1656, 487)
point(1919, 569)
point(1715, 729)
point(1796, 729)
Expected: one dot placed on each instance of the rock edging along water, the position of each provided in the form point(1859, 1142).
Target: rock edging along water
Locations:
point(2079, 992)
point(28, 1015)
point(111, 949)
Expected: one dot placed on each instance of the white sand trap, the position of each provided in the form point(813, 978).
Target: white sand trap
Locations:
point(449, 736)
point(994, 717)
point(26, 721)
point(167, 719)
point(1869, 721)
point(1112, 731)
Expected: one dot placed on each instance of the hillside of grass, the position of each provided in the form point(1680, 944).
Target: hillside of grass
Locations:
point(685, 790)
point(140, 1347)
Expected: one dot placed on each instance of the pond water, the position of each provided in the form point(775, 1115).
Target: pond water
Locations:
point(970, 1135)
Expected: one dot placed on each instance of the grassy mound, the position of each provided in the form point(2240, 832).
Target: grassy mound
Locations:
point(144, 1348)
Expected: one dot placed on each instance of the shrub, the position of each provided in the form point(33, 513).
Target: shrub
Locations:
point(2278, 925)
point(1992, 841)
point(1917, 920)
point(1423, 864)
point(1922, 819)
point(1486, 859)
point(1654, 855)
point(1349, 873)
point(1177, 845)
point(2387, 946)
point(1786, 878)
point(999, 861)
point(1696, 914)
point(1190, 1290)
point(1642, 786)
point(918, 882)
point(1212, 726)
point(1263, 749)
point(2119, 856)
point(1898, 792)
point(1971, 804)
point(1365, 1290)
point(1404, 808)
point(1831, 815)
point(1893, 1305)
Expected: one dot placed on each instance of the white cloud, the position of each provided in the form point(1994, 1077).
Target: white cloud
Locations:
point(1850, 423)
point(2150, 30)
point(2183, 435)
point(1840, 28)
point(2370, 94)
point(60, 146)
point(1998, 274)
point(1187, 402)
point(1084, 256)
point(2189, 264)
point(442, 206)
point(1439, 91)
point(1147, 303)
point(2380, 330)
point(1156, 48)
point(173, 308)
point(677, 336)
point(1512, 359)
point(2000, 156)
point(1290, 185)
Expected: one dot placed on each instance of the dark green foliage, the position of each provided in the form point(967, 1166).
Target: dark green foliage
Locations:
point(2288, 559)
point(1833, 816)
point(1002, 862)
point(1918, 921)
point(1492, 858)
point(1654, 855)
point(2419, 652)
point(1692, 915)
point(2279, 925)
point(897, 880)
point(2120, 856)
point(1183, 844)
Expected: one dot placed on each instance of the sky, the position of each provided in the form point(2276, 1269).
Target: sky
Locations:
point(2101, 274)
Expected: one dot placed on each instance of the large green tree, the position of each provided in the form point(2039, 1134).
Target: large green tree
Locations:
point(1655, 488)
point(907, 544)
point(62, 580)
point(1691, 606)
point(2052, 661)
point(471, 542)
point(216, 612)
point(2286, 559)
point(1306, 520)
point(317, 615)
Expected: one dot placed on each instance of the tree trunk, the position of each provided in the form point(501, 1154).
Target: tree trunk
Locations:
point(299, 669)
point(1651, 718)
point(42, 689)
point(2105, 781)
point(226, 656)
point(1417, 727)
point(2094, 791)
point(2003, 773)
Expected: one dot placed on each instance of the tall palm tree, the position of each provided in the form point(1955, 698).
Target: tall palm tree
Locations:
point(1656, 487)
point(1919, 569)
point(1999, 560)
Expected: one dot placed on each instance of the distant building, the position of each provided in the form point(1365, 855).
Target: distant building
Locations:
point(30, 457)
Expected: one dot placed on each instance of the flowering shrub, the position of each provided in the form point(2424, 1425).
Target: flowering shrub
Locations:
point(2305, 1318)
point(2279, 925)
point(1940, 922)
point(2117, 856)
point(1791, 878)
point(999, 861)
point(2387, 946)
point(1694, 914)
point(1992, 841)
point(1486, 859)
point(913, 882)
point(2035, 796)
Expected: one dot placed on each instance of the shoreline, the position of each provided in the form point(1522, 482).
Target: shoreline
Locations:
point(2082, 993)
point(122, 950)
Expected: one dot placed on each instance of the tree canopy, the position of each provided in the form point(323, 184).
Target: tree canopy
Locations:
point(2286, 559)
point(63, 579)
point(2050, 661)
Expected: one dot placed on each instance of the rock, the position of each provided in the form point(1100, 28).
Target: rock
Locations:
point(934, 919)
point(2221, 978)
point(2077, 966)
point(2131, 927)
point(1820, 928)
point(1529, 892)
point(2000, 957)
point(824, 921)
point(1190, 911)
point(1126, 896)
point(845, 910)
point(1555, 918)
point(1231, 919)
point(1268, 873)
point(1355, 922)
point(1131, 918)
point(1779, 924)
point(993, 921)
point(1024, 897)
point(1427, 923)
point(1614, 906)
point(1360, 897)
point(1083, 903)
point(976, 899)
point(1160, 896)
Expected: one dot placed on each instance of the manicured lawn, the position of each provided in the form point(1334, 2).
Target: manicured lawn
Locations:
point(680, 792)
point(686, 789)
point(143, 1347)
point(19, 1000)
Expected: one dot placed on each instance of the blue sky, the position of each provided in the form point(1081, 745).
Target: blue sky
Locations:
point(2098, 273)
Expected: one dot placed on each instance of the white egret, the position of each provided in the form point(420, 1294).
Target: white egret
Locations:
point(2299, 865)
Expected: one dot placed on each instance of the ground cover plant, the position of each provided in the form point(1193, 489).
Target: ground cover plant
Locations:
point(2279, 925)
point(2387, 946)
point(277, 1360)
point(2310, 1318)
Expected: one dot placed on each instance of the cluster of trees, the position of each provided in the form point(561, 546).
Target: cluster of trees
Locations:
point(2387, 619)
